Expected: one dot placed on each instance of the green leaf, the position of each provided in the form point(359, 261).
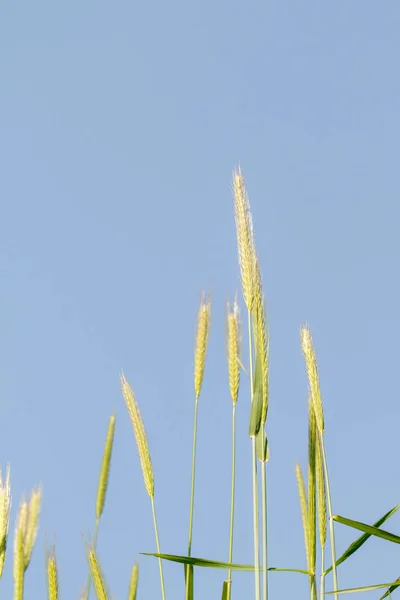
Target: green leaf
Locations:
point(391, 589)
point(189, 582)
point(201, 562)
point(226, 591)
point(366, 588)
point(381, 533)
point(256, 405)
point(302, 571)
point(362, 539)
point(262, 447)
point(215, 564)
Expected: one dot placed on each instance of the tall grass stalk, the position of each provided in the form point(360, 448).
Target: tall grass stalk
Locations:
point(254, 480)
point(102, 488)
point(233, 359)
point(145, 460)
point(315, 391)
point(200, 352)
point(331, 526)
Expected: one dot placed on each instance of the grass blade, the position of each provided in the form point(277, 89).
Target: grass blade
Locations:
point(393, 587)
point(362, 539)
point(380, 533)
point(216, 564)
point(367, 588)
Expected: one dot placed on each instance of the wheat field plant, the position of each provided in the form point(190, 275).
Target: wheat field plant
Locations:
point(245, 317)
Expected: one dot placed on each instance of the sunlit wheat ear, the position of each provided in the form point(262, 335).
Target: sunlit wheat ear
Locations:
point(233, 334)
point(52, 575)
point(140, 435)
point(312, 373)
point(19, 551)
point(321, 493)
point(304, 511)
point(134, 582)
point(261, 339)
point(202, 334)
point(245, 238)
point(312, 440)
point(96, 574)
point(5, 507)
point(105, 468)
point(32, 524)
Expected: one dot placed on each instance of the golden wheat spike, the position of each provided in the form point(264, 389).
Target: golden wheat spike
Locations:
point(32, 524)
point(19, 551)
point(202, 335)
point(233, 349)
point(133, 585)
point(52, 575)
point(261, 340)
point(304, 511)
point(96, 574)
point(105, 468)
point(313, 378)
point(140, 436)
point(5, 507)
point(245, 238)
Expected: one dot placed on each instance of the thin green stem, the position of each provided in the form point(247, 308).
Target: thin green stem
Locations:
point(153, 508)
point(232, 488)
point(331, 527)
point(322, 586)
point(254, 470)
point(193, 477)
point(264, 529)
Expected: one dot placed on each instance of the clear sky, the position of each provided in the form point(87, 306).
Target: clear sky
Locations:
point(120, 124)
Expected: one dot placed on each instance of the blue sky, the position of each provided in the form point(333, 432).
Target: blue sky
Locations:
point(120, 126)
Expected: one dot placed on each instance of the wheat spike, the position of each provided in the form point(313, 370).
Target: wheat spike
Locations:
point(313, 378)
point(32, 524)
point(96, 575)
point(105, 468)
point(245, 238)
point(202, 334)
point(52, 576)
point(133, 582)
point(140, 435)
point(233, 349)
point(261, 340)
point(5, 507)
point(19, 551)
point(304, 511)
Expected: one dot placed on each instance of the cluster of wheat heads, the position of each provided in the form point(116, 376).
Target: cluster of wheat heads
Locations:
point(314, 494)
